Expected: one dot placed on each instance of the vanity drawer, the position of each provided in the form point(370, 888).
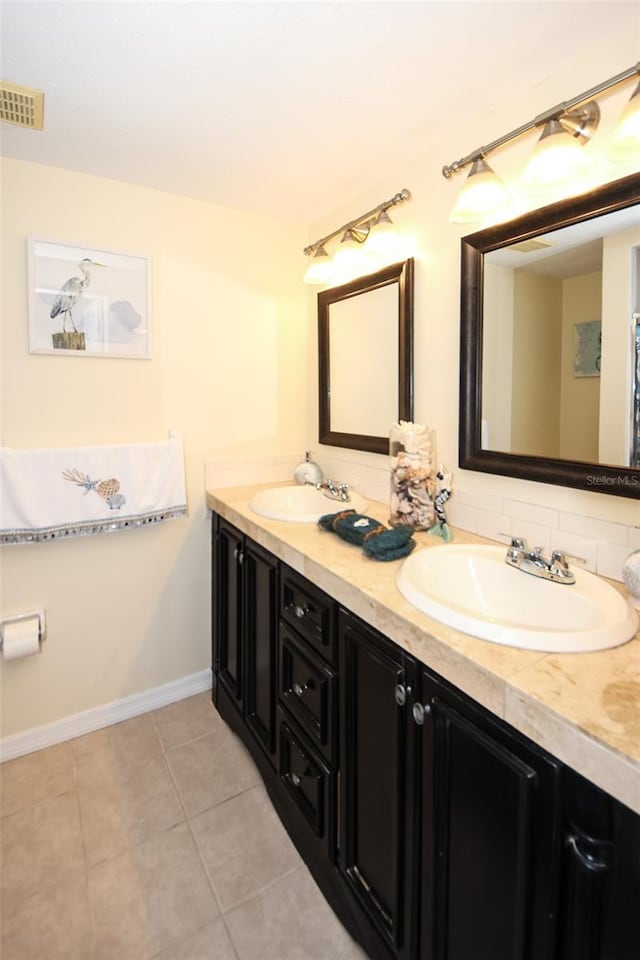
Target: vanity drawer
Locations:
point(309, 611)
point(308, 784)
point(307, 690)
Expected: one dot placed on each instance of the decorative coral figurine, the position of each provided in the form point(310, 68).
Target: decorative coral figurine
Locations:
point(441, 528)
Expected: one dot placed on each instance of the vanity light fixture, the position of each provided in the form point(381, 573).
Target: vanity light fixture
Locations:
point(626, 138)
point(366, 242)
point(350, 259)
point(483, 193)
point(319, 270)
point(565, 129)
point(558, 154)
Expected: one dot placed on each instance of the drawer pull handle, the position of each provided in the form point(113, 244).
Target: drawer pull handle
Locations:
point(296, 780)
point(301, 690)
point(401, 693)
point(420, 712)
point(300, 612)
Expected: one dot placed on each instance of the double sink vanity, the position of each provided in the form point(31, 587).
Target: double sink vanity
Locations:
point(453, 797)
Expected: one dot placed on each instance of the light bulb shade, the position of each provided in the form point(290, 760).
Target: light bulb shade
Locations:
point(383, 219)
point(482, 195)
point(319, 270)
point(384, 240)
point(349, 260)
point(626, 138)
point(556, 159)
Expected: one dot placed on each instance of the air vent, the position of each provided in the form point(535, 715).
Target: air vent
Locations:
point(528, 246)
point(21, 105)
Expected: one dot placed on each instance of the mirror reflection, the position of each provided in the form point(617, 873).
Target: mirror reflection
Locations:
point(559, 358)
point(550, 344)
point(363, 345)
point(365, 362)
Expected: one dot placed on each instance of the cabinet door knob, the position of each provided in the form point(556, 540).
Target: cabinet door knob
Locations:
point(238, 554)
point(296, 780)
point(420, 711)
point(300, 612)
point(401, 693)
point(301, 690)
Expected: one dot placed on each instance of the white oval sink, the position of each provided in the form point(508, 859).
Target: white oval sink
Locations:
point(301, 504)
point(472, 589)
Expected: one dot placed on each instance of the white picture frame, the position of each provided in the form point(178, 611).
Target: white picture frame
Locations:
point(89, 302)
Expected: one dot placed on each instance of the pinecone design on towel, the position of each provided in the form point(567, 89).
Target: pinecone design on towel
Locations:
point(107, 490)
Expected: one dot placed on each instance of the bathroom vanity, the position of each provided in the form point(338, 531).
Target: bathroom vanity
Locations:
point(453, 799)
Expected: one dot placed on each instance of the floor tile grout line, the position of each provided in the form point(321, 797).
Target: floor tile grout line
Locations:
point(176, 943)
point(32, 806)
point(189, 826)
point(208, 876)
point(187, 818)
point(186, 743)
point(263, 889)
point(91, 866)
point(87, 867)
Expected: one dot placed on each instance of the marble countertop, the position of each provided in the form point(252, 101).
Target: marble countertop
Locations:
point(583, 708)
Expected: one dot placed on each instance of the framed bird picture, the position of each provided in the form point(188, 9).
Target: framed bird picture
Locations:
point(88, 302)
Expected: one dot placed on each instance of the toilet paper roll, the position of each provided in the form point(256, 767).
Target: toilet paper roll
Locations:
point(21, 638)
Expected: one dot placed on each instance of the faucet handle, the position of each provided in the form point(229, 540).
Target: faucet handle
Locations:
point(516, 550)
point(561, 559)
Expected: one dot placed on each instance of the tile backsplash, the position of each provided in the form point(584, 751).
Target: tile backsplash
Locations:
point(600, 544)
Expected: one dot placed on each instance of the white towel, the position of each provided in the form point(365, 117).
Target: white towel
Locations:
point(50, 494)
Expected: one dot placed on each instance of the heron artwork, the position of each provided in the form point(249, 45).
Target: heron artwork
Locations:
point(71, 292)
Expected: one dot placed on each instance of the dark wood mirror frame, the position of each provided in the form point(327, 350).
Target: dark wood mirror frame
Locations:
point(402, 274)
point(602, 478)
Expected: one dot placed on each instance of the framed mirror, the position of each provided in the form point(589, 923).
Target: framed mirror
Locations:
point(550, 344)
point(365, 354)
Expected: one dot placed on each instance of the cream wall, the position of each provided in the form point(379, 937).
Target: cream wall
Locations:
point(130, 611)
point(537, 346)
point(436, 242)
point(580, 396)
point(497, 358)
point(620, 298)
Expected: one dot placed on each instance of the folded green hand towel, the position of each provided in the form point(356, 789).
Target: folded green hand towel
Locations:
point(378, 541)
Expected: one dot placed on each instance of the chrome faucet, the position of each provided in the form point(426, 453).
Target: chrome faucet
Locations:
point(555, 568)
point(333, 491)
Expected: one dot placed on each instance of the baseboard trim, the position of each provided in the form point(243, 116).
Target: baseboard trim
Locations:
point(78, 724)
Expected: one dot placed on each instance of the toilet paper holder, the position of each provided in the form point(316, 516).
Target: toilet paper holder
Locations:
point(42, 624)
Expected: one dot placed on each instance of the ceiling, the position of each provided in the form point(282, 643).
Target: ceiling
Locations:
point(285, 109)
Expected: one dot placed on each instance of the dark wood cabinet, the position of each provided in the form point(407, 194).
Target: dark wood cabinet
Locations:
point(259, 587)
point(307, 690)
point(489, 822)
point(245, 635)
point(228, 646)
point(307, 786)
point(435, 830)
point(600, 875)
point(375, 785)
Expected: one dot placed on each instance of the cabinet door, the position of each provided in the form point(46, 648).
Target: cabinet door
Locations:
point(260, 635)
point(229, 619)
point(374, 787)
point(489, 850)
point(600, 889)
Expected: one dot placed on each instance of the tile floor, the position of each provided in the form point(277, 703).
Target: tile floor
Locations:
point(154, 839)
